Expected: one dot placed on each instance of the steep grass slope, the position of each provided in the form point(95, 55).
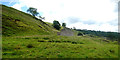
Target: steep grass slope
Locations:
point(15, 22)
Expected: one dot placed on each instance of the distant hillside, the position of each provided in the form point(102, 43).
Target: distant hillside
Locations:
point(109, 35)
point(15, 22)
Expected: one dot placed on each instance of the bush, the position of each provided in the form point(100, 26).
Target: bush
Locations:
point(56, 25)
point(80, 34)
point(30, 46)
point(64, 24)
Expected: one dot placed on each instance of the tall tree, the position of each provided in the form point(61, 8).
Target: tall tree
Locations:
point(64, 24)
point(33, 11)
point(56, 25)
point(74, 28)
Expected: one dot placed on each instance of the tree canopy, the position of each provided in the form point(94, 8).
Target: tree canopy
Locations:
point(64, 24)
point(33, 11)
point(56, 25)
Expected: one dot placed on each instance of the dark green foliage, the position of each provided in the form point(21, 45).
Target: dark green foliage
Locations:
point(112, 35)
point(41, 41)
point(30, 46)
point(33, 11)
point(46, 38)
point(57, 41)
point(27, 38)
point(56, 25)
point(80, 33)
point(109, 35)
point(112, 51)
point(64, 24)
point(35, 38)
point(74, 42)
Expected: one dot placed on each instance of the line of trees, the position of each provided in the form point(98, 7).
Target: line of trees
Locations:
point(109, 35)
point(57, 25)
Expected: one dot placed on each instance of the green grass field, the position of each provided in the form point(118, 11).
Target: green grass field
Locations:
point(26, 37)
point(46, 46)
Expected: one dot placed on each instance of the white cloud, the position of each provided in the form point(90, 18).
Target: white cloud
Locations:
point(100, 11)
point(9, 0)
point(102, 27)
point(17, 6)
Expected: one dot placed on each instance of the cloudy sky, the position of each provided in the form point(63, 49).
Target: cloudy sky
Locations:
point(83, 14)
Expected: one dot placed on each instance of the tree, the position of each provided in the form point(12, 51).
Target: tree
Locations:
point(33, 11)
point(74, 28)
point(56, 25)
point(80, 33)
point(64, 24)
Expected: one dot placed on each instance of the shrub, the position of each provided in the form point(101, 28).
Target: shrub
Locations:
point(64, 24)
point(41, 41)
point(46, 38)
point(30, 46)
point(74, 42)
point(80, 34)
point(56, 25)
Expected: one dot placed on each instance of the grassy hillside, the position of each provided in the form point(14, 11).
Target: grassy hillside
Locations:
point(26, 37)
point(15, 22)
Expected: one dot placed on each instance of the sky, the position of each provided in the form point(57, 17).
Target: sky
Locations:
point(99, 15)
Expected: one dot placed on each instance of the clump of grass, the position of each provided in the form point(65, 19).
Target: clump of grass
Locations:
point(27, 38)
point(59, 56)
point(17, 53)
point(7, 53)
point(57, 41)
point(30, 46)
point(35, 38)
point(41, 41)
point(18, 47)
point(50, 41)
point(115, 42)
point(112, 51)
point(74, 42)
point(63, 41)
point(81, 43)
point(46, 38)
point(68, 41)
